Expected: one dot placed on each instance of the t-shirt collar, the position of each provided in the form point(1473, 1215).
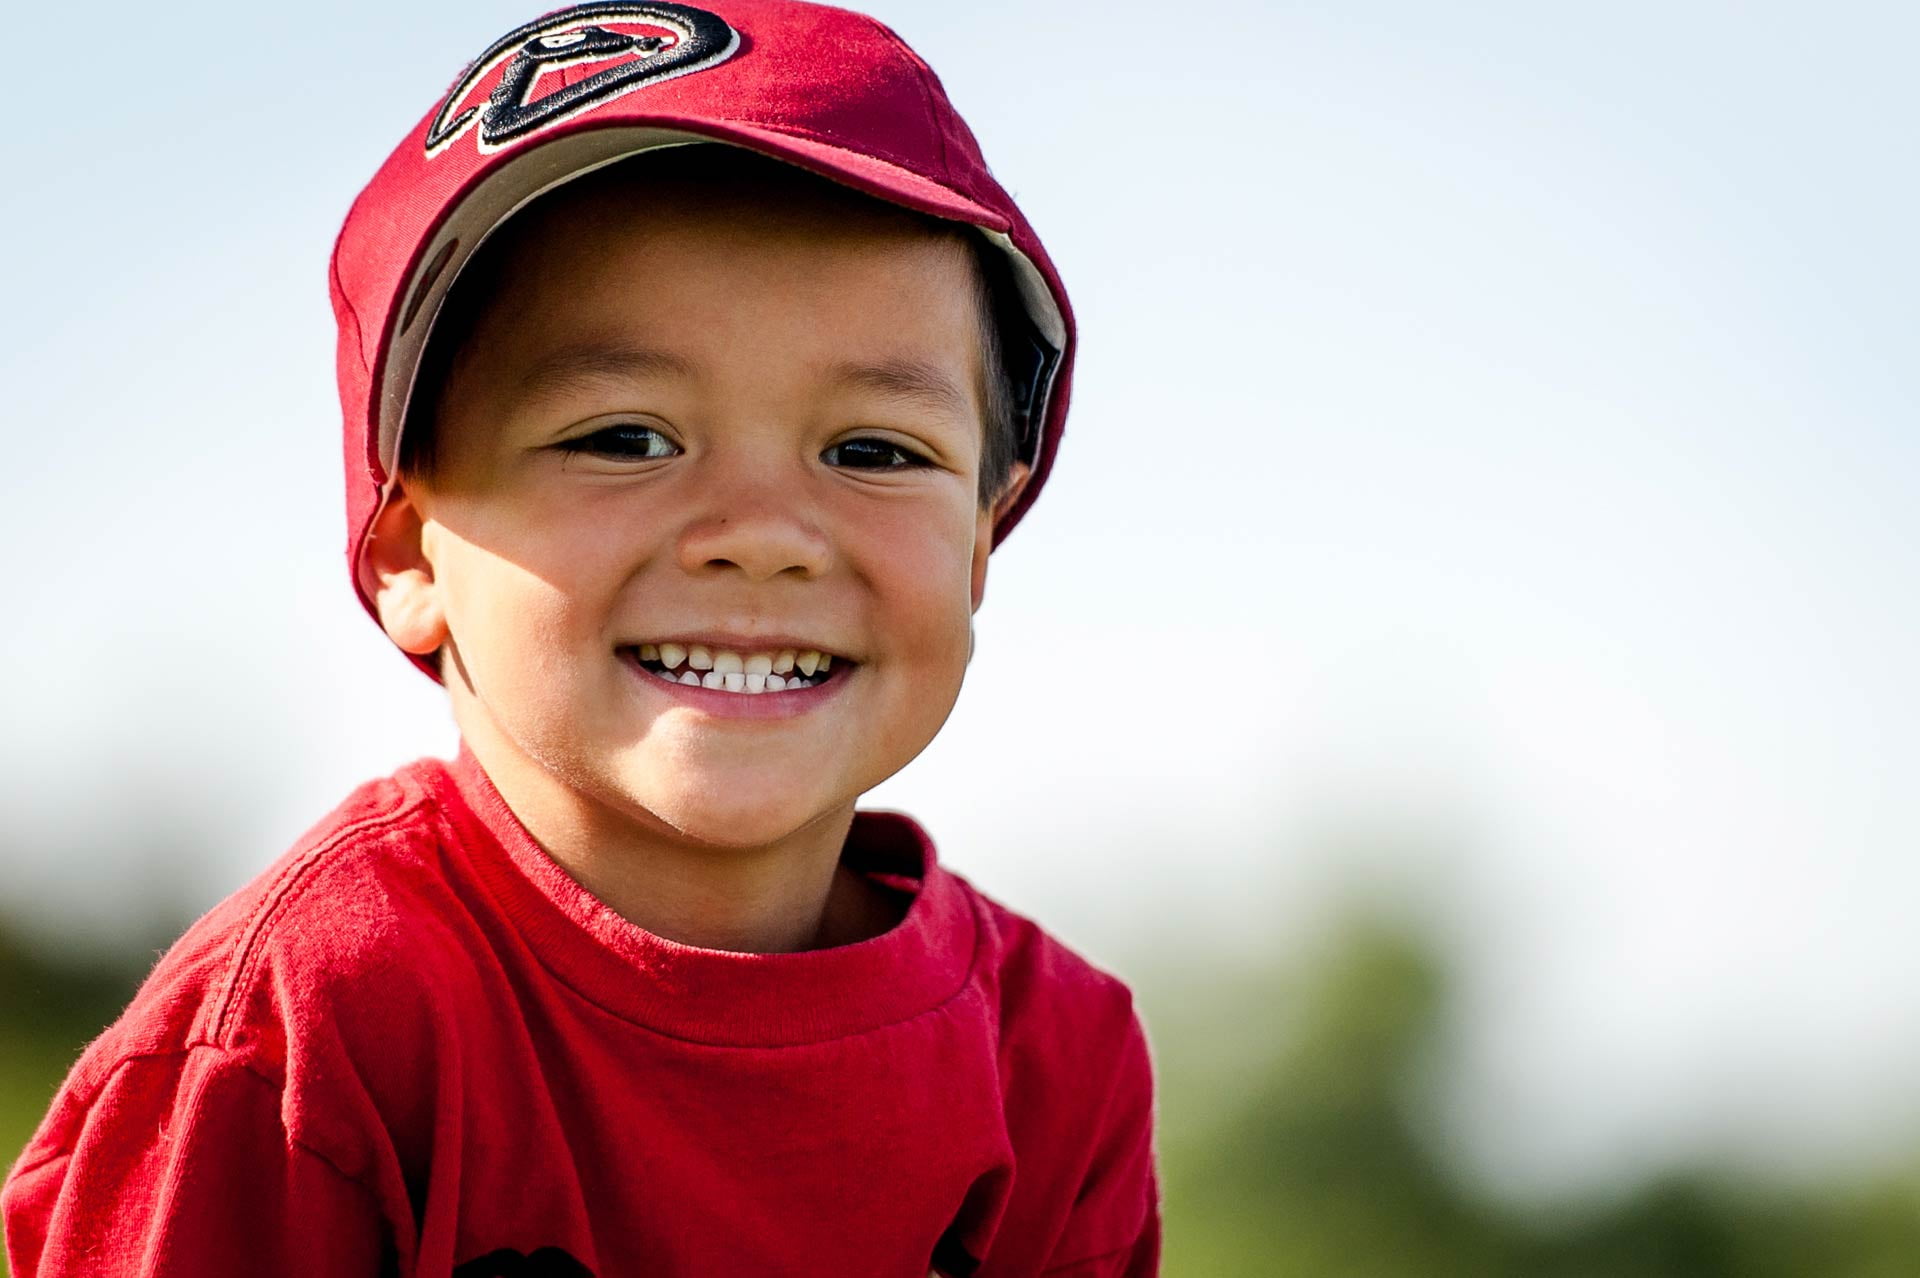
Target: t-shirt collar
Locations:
point(719, 996)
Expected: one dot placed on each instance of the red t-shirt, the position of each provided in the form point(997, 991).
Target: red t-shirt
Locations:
point(415, 1046)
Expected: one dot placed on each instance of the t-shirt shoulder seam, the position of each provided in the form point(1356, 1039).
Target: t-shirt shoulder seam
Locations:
point(250, 941)
point(65, 1149)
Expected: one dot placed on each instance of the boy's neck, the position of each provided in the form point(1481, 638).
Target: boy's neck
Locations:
point(785, 897)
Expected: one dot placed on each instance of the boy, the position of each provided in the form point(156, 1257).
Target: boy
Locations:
point(692, 363)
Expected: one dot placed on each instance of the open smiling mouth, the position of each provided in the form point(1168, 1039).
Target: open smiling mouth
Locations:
point(750, 673)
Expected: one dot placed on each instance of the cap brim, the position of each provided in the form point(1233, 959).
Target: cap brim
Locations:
point(526, 173)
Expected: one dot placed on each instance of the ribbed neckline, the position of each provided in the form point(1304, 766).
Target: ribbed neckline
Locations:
point(721, 996)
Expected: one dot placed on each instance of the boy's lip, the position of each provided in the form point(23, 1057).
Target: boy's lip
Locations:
point(722, 704)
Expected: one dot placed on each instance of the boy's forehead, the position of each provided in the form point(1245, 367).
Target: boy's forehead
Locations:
point(597, 288)
point(649, 225)
point(679, 232)
point(715, 193)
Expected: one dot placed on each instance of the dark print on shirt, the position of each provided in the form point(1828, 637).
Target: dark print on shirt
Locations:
point(950, 1258)
point(645, 43)
point(545, 1262)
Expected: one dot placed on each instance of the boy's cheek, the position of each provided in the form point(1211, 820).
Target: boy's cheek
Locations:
point(932, 581)
point(549, 554)
point(938, 535)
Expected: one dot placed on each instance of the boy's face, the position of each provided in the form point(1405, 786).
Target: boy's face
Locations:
point(752, 430)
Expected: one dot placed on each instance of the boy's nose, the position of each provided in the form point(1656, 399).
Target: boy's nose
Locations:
point(761, 537)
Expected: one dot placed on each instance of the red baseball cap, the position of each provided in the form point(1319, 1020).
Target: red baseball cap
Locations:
point(833, 92)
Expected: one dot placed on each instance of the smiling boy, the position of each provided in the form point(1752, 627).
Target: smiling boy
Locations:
point(693, 364)
point(773, 457)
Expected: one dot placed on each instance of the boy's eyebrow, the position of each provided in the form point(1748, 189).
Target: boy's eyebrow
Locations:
point(581, 365)
point(912, 380)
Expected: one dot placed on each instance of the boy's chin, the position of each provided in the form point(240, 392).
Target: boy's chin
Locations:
point(744, 821)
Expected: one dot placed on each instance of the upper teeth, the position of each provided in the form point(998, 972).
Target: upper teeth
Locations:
point(739, 672)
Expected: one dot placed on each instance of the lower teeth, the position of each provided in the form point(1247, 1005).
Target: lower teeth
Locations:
point(740, 683)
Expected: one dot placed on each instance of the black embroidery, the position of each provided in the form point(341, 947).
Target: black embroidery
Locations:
point(545, 1262)
point(699, 40)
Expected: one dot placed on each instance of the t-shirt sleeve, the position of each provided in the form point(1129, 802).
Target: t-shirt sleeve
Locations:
point(1114, 1230)
point(181, 1165)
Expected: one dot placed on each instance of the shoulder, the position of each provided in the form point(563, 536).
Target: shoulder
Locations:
point(1038, 978)
point(326, 934)
point(1072, 1042)
point(1077, 1079)
point(335, 923)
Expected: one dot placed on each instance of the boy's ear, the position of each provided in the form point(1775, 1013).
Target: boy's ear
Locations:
point(405, 593)
point(990, 519)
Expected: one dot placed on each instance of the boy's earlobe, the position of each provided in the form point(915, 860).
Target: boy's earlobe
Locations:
point(1016, 484)
point(404, 590)
point(1017, 476)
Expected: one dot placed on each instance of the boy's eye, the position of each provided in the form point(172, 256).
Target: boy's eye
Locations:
point(872, 454)
point(628, 440)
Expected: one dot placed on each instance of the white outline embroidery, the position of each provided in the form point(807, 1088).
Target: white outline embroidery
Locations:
point(678, 19)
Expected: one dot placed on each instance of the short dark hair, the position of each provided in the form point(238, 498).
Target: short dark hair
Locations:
point(750, 176)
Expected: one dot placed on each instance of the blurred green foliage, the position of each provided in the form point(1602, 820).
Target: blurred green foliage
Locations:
point(1291, 1145)
point(1290, 1140)
point(49, 1008)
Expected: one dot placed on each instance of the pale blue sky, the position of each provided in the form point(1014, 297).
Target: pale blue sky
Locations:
point(1494, 446)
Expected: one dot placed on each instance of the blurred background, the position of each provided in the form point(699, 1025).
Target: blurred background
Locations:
point(1461, 672)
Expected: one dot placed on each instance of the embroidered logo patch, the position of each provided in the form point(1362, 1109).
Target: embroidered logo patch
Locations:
point(641, 43)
